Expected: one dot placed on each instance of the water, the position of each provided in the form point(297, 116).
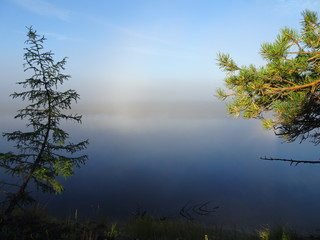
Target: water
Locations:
point(159, 163)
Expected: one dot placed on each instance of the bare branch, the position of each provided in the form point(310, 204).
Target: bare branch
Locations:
point(184, 212)
point(292, 162)
point(9, 184)
point(198, 209)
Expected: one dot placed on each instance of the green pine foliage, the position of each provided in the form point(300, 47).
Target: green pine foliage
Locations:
point(43, 150)
point(283, 94)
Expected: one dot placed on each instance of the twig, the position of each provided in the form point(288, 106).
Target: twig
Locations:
point(295, 162)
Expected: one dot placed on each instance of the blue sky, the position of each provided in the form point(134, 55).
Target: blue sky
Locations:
point(124, 51)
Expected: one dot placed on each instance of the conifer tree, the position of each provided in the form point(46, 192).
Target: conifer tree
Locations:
point(284, 93)
point(43, 152)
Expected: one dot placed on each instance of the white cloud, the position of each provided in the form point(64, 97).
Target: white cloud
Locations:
point(44, 8)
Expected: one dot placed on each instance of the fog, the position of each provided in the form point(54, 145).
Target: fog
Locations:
point(161, 156)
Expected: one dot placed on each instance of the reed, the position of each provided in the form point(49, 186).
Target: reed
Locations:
point(36, 224)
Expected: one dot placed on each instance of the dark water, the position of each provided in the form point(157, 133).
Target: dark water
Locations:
point(159, 163)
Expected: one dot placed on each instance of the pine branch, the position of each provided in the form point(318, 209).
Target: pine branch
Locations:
point(282, 89)
point(286, 89)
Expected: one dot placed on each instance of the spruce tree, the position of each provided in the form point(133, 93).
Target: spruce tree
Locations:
point(284, 93)
point(43, 150)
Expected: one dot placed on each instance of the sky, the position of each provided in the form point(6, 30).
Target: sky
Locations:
point(137, 51)
point(146, 72)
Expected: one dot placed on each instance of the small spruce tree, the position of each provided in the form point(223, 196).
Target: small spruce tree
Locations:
point(284, 93)
point(43, 153)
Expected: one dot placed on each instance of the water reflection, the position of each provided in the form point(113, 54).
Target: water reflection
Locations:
point(161, 163)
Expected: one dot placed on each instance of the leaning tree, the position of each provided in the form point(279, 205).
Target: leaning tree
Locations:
point(283, 94)
point(43, 152)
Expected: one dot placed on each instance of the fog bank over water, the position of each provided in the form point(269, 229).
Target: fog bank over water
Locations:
point(173, 109)
point(162, 155)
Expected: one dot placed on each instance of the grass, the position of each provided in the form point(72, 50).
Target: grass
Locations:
point(149, 228)
point(37, 224)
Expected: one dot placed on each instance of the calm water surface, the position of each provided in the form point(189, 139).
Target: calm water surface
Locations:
point(159, 163)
